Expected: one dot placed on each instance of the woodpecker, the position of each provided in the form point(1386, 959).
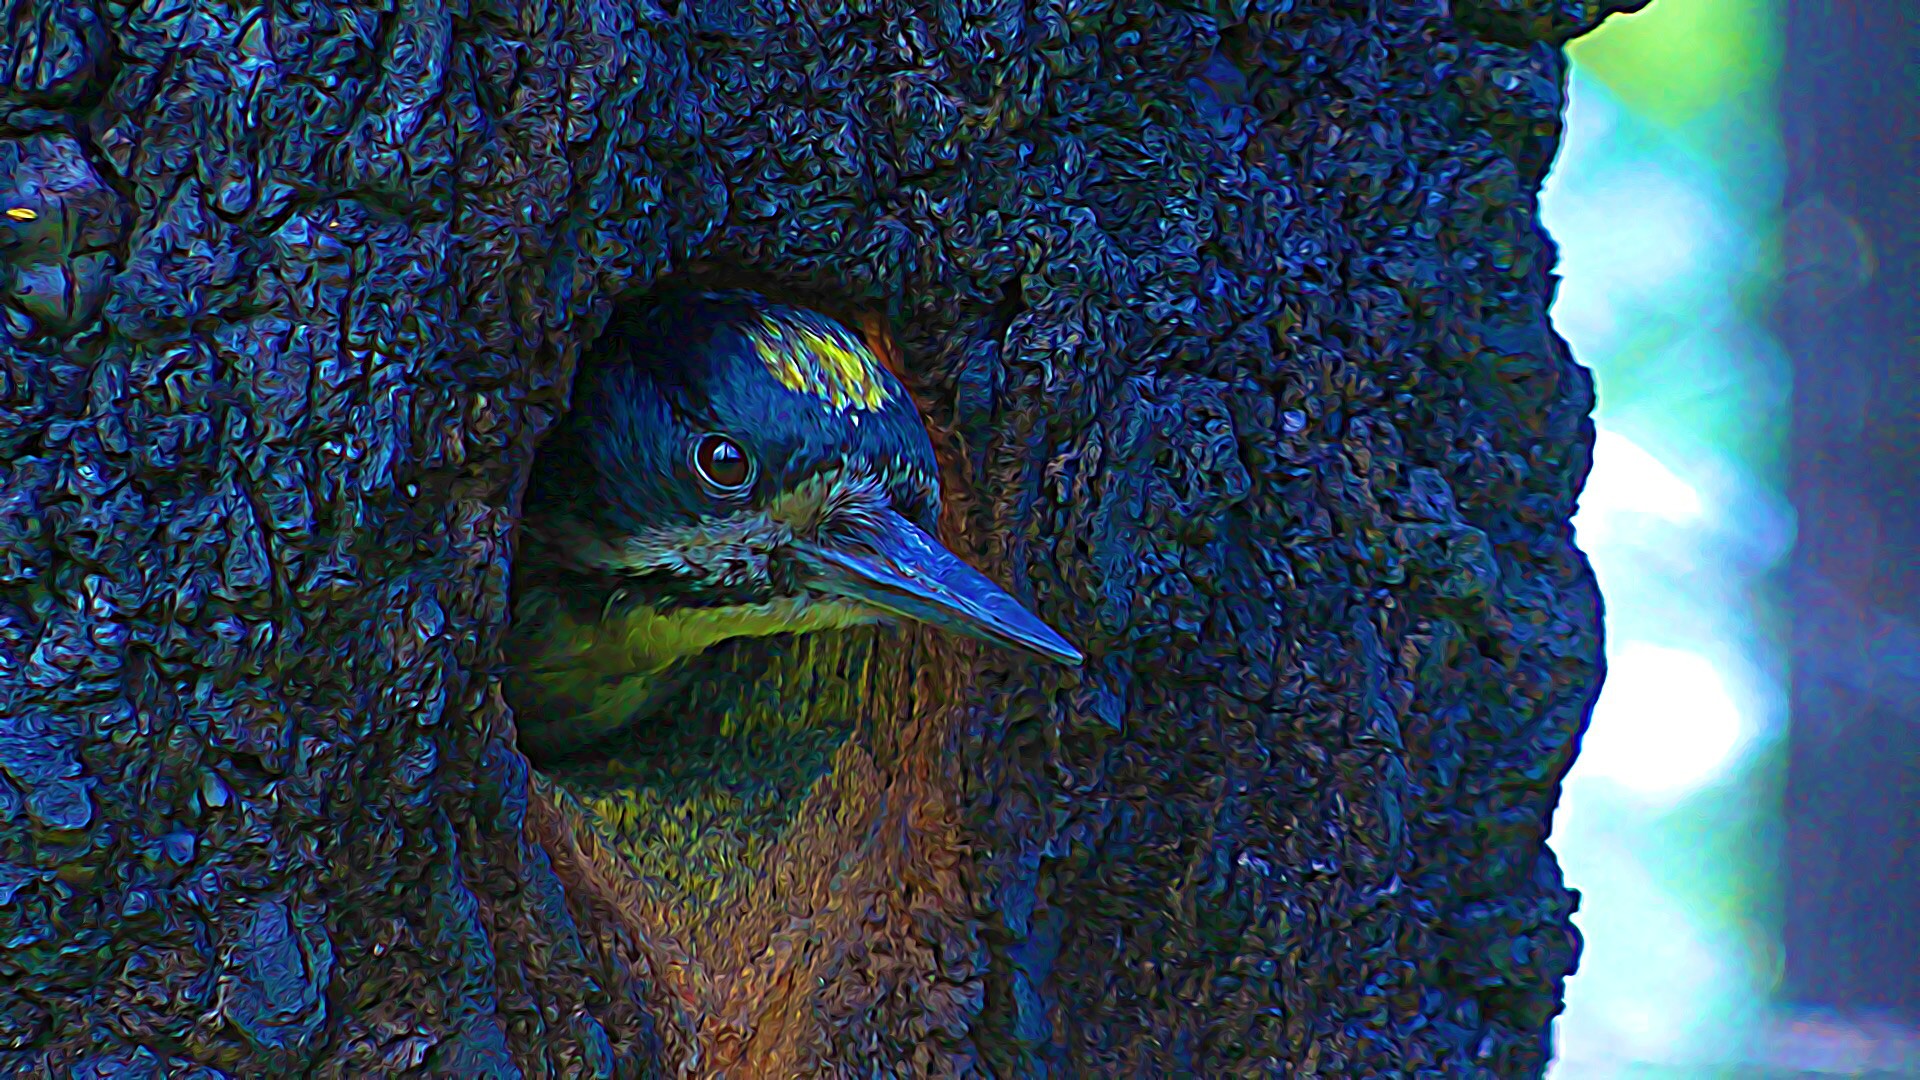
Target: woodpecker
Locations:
point(731, 468)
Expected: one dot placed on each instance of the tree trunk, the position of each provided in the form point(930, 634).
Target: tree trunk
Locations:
point(1231, 324)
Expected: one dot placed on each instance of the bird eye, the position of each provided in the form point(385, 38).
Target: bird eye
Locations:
point(721, 463)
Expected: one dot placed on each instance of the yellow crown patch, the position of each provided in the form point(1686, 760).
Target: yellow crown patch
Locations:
point(811, 356)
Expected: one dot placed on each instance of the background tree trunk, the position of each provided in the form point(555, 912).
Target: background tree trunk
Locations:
point(1231, 321)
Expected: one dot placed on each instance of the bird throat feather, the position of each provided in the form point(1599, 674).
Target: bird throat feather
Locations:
point(592, 675)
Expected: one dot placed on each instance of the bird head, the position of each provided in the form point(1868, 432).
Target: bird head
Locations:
point(740, 468)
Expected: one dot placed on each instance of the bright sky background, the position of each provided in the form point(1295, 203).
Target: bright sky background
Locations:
point(1663, 202)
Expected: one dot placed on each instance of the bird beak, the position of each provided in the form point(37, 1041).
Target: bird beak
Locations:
point(890, 564)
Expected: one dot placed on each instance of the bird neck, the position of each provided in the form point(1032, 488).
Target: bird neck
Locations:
point(580, 673)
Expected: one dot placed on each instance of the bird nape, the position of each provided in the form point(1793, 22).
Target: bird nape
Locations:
point(730, 468)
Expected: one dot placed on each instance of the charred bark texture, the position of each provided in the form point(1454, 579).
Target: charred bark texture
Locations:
point(1231, 319)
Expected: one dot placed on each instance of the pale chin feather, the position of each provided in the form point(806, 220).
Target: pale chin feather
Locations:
point(858, 614)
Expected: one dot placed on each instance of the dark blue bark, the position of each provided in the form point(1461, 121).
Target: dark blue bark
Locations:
point(1232, 321)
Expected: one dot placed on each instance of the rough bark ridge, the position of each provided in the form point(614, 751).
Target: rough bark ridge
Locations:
point(1232, 317)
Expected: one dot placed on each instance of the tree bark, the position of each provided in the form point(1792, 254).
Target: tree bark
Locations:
point(1230, 320)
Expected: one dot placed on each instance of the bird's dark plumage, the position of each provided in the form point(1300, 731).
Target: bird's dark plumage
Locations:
point(667, 372)
point(730, 468)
